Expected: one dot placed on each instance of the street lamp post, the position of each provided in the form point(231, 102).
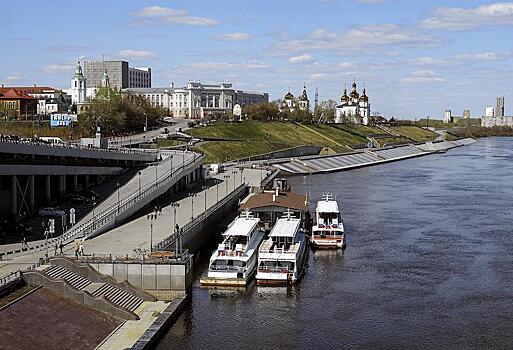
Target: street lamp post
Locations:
point(139, 183)
point(217, 190)
point(151, 219)
point(205, 189)
point(233, 173)
point(175, 205)
point(156, 173)
point(146, 122)
point(192, 195)
point(117, 185)
point(226, 177)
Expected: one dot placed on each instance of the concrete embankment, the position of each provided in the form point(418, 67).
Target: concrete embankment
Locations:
point(368, 157)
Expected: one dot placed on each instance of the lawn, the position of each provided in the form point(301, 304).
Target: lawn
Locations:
point(416, 133)
point(264, 137)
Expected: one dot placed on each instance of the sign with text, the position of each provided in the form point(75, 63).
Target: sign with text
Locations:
point(57, 120)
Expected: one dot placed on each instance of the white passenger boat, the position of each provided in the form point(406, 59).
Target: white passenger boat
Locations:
point(328, 230)
point(235, 260)
point(282, 257)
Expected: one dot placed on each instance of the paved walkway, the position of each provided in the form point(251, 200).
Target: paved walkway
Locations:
point(142, 180)
point(130, 331)
point(136, 234)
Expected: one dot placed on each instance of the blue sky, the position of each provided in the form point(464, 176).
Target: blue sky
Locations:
point(416, 57)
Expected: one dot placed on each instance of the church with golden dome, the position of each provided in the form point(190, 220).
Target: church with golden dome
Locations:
point(353, 108)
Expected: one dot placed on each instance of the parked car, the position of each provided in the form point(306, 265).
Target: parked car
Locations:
point(77, 199)
point(51, 212)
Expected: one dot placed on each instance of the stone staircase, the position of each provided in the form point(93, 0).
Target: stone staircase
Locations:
point(115, 295)
point(118, 296)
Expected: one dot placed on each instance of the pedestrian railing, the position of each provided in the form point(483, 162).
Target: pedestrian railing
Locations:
point(109, 215)
point(178, 237)
point(10, 278)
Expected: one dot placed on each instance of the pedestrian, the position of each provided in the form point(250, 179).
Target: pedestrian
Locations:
point(76, 249)
point(81, 248)
point(160, 210)
point(55, 249)
point(61, 245)
point(24, 244)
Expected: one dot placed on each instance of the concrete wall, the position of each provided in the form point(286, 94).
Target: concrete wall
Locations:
point(298, 151)
point(159, 276)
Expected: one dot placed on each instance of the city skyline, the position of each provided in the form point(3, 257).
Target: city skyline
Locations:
point(416, 59)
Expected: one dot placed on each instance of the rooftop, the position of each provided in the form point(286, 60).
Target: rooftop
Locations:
point(15, 94)
point(285, 227)
point(242, 226)
point(285, 200)
point(327, 206)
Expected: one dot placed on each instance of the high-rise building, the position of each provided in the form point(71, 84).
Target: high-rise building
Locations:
point(499, 110)
point(489, 111)
point(466, 114)
point(447, 116)
point(121, 76)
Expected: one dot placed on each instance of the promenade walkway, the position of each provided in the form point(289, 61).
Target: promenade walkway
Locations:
point(139, 191)
point(136, 234)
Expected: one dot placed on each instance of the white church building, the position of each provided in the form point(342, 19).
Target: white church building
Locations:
point(353, 108)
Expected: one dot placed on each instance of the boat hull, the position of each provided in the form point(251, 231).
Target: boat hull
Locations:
point(327, 243)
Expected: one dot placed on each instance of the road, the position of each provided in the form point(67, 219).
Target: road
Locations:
point(147, 136)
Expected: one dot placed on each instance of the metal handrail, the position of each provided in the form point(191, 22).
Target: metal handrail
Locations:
point(13, 276)
point(113, 211)
point(64, 146)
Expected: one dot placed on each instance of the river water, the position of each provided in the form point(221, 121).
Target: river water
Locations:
point(428, 265)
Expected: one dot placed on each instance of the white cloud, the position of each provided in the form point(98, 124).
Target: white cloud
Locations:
point(422, 76)
point(376, 38)
point(301, 59)
point(223, 66)
point(59, 68)
point(12, 78)
point(134, 54)
point(319, 76)
point(428, 61)
point(164, 15)
point(238, 36)
point(483, 56)
point(457, 18)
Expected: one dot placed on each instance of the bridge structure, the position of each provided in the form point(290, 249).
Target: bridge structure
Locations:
point(174, 173)
point(34, 174)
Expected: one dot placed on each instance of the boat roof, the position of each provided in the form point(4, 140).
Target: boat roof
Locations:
point(285, 227)
point(327, 206)
point(242, 226)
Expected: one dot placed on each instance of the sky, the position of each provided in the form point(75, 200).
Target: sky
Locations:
point(415, 57)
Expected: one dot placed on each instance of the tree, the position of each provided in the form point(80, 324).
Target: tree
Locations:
point(328, 109)
point(261, 111)
point(116, 113)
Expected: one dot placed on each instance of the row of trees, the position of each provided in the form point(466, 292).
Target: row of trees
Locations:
point(325, 112)
point(118, 114)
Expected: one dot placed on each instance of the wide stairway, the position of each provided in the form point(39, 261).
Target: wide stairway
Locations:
point(115, 295)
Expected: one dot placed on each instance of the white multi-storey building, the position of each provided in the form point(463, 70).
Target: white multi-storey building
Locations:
point(354, 108)
point(198, 100)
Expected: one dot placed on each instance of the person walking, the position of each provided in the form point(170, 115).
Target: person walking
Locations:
point(81, 248)
point(61, 245)
point(56, 246)
point(76, 249)
point(24, 244)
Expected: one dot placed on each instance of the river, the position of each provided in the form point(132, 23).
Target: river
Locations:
point(428, 265)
